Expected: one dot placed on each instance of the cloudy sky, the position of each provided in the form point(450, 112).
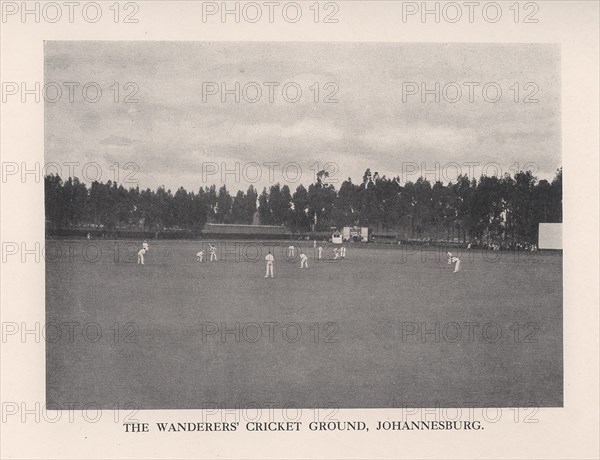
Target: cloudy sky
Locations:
point(172, 134)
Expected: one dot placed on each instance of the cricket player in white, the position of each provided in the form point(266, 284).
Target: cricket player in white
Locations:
point(343, 252)
point(336, 253)
point(213, 253)
point(303, 260)
point(200, 256)
point(320, 252)
point(269, 258)
point(455, 261)
point(140, 259)
point(291, 250)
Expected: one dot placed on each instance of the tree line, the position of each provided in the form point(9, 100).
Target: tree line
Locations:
point(491, 209)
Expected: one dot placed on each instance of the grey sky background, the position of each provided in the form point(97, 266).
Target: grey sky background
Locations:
point(171, 132)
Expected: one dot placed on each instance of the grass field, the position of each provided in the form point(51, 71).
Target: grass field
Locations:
point(369, 310)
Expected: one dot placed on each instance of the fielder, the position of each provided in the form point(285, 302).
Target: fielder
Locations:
point(200, 256)
point(269, 259)
point(343, 252)
point(303, 260)
point(291, 251)
point(320, 252)
point(213, 252)
point(455, 261)
point(140, 258)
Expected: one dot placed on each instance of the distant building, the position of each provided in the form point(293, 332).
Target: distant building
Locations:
point(336, 238)
point(355, 234)
point(550, 236)
point(245, 230)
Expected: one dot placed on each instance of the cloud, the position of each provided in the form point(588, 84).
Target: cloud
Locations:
point(171, 131)
point(396, 138)
point(305, 129)
point(118, 141)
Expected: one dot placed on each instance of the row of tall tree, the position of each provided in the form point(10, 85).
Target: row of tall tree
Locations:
point(491, 208)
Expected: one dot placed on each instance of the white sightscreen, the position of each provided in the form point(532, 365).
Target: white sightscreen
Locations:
point(550, 236)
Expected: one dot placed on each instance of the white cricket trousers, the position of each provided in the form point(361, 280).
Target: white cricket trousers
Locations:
point(269, 269)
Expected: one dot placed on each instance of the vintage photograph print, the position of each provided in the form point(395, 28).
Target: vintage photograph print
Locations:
point(303, 224)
